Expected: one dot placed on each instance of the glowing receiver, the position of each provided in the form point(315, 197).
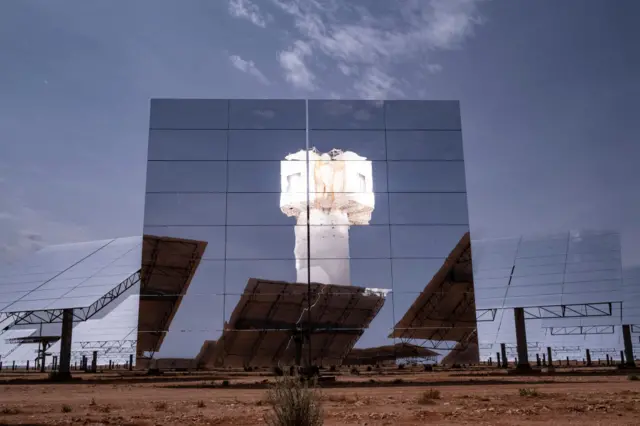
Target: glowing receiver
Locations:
point(340, 194)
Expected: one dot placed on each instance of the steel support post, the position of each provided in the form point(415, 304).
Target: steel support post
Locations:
point(43, 357)
point(130, 362)
point(628, 346)
point(503, 349)
point(27, 365)
point(549, 359)
point(621, 357)
point(498, 364)
point(588, 358)
point(538, 362)
point(94, 362)
point(521, 340)
point(64, 371)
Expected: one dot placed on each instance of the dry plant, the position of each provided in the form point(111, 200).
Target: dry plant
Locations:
point(528, 392)
point(294, 403)
point(633, 377)
point(10, 410)
point(427, 397)
point(66, 408)
point(161, 406)
point(201, 404)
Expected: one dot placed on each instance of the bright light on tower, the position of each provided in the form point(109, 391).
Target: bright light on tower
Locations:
point(340, 195)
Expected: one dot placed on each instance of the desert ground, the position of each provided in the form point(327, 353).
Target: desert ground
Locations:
point(479, 397)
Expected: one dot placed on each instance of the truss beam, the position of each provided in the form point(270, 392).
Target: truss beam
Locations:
point(582, 330)
point(79, 314)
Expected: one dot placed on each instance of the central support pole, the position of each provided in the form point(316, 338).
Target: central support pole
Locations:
point(521, 340)
point(64, 372)
point(628, 346)
point(588, 358)
point(503, 349)
point(94, 362)
point(43, 356)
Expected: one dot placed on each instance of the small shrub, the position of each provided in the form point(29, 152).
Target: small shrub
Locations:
point(105, 409)
point(66, 408)
point(528, 392)
point(369, 368)
point(427, 397)
point(161, 406)
point(400, 366)
point(398, 381)
point(10, 410)
point(294, 402)
point(355, 371)
point(93, 402)
point(225, 383)
point(201, 404)
point(633, 377)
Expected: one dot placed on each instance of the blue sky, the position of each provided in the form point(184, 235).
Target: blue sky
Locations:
point(549, 95)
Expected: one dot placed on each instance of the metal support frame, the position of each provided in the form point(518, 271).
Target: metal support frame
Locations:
point(635, 328)
point(107, 344)
point(566, 349)
point(512, 348)
point(444, 345)
point(582, 330)
point(486, 315)
point(79, 314)
point(604, 350)
point(580, 310)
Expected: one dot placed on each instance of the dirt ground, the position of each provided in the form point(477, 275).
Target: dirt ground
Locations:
point(410, 399)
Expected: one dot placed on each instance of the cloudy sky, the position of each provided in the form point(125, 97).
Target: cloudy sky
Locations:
point(549, 94)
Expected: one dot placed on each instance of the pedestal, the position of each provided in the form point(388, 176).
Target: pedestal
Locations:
point(328, 247)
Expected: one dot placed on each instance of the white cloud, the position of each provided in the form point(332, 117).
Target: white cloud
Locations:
point(368, 48)
point(248, 67)
point(434, 68)
point(295, 68)
point(246, 9)
point(376, 84)
point(24, 230)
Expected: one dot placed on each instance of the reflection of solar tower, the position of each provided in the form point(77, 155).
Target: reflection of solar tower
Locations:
point(340, 194)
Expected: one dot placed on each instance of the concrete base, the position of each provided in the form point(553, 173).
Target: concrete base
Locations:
point(57, 376)
point(523, 368)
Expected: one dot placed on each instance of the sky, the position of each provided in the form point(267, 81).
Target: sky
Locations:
point(548, 93)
